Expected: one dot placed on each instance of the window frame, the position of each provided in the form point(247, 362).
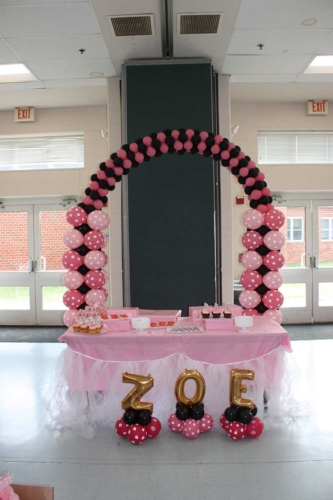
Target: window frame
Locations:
point(330, 229)
point(292, 229)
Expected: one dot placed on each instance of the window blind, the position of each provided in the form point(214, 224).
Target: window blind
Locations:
point(295, 147)
point(42, 152)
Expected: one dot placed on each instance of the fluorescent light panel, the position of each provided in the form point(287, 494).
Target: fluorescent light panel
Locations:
point(15, 73)
point(320, 64)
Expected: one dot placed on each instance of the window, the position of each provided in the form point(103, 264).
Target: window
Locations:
point(327, 229)
point(295, 229)
point(295, 148)
point(40, 152)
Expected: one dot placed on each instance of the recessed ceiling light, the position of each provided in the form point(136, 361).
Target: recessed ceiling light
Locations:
point(320, 64)
point(310, 21)
point(15, 73)
point(96, 74)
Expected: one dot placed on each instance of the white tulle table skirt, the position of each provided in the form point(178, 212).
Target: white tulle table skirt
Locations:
point(87, 392)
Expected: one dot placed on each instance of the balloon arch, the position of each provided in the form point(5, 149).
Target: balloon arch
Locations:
point(263, 240)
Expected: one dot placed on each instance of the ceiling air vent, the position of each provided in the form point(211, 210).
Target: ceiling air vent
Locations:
point(198, 24)
point(134, 25)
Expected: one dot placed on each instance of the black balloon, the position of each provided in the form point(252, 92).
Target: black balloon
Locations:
point(262, 289)
point(258, 185)
point(182, 413)
point(262, 230)
point(207, 153)
point(142, 148)
point(84, 228)
point(243, 163)
point(254, 203)
point(84, 289)
point(82, 250)
point(254, 411)
point(183, 137)
point(94, 195)
point(241, 179)
point(109, 172)
point(102, 166)
point(261, 308)
point(235, 170)
point(262, 250)
point(223, 145)
point(82, 306)
point(210, 141)
point(143, 417)
point(263, 270)
point(129, 417)
point(94, 177)
point(248, 190)
point(231, 414)
point(245, 416)
point(130, 155)
point(155, 143)
point(196, 139)
point(87, 191)
point(103, 183)
point(89, 209)
point(225, 163)
point(234, 153)
point(83, 269)
point(197, 412)
point(169, 140)
point(113, 156)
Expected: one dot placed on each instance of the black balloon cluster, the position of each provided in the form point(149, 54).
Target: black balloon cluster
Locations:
point(142, 417)
point(185, 412)
point(240, 414)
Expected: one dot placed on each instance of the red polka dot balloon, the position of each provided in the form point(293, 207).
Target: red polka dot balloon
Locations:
point(72, 260)
point(174, 423)
point(274, 260)
point(76, 216)
point(251, 280)
point(153, 428)
point(206, 423)
point(236, 430)
point(253, 219)
point(252, 240)
point(94, 279)
point(273, 280)
point(191, 428)
point(274, 315)
point(273, 299)
point(94, 240)
point(251, 260)
point(122, 428)
point(224, 423)
point(137, 434)
point(249, 299)
point(255, 428)
point(73, 299)
point(274, 219)
point(274, 240)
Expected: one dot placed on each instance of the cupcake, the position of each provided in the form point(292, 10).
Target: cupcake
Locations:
point(84, 328)
point(76, 327)
point(92, 329)
point(98, 328)
point(205, 313)
point(216, 311)
point(227, 312)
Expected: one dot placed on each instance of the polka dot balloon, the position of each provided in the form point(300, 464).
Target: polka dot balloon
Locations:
point(273, 299)
point(251, 260)
point(273, 280)
point(191, 428)
point(206, 423)
point(274, 260)
point(174, 423)
point(94, 240)
point(73, 238)
point(98, 220)
point(122, 428)
point(73, 299)
point(137, 434)
point(252, 240)
point(249, 299)
point(253, 219)
point(251, 280)
point(274, 240)
point(236, 431)
point(94, 279)
point(76, 216)
point(274, 219)
point(274, 315)
point(72, 280)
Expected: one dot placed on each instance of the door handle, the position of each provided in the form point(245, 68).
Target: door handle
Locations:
point(315, 262)
point(311, 263)
point(31, 266)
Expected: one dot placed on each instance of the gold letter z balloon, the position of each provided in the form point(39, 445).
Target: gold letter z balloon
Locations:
point(142, 385)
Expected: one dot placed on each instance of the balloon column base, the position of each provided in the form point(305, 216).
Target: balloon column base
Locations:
point(136, 432)
point(191, 428)
point(239, 422)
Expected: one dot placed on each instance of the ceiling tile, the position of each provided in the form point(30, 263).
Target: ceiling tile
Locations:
point(75, 82)
point(272, 64)
point(48, 20)
point(58, 70)
point(36, 2)
point(274, 14)
point(275, 78)
point(327, 47)
point(277, 41)
point(7, 55)
point(60, 48)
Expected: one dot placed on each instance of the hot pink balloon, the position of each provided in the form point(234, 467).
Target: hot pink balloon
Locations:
point(73, 238)
point(274, 219)
point(72, 260)
point(94, 240)
point(94, 279)
point(251, 260)
point(98, 220)
point(251, 280)
point(274, 260)
point(106, 293)
point(105, 256)
point(72, 280)
point(73, 299)
point(249, 299)
point(76, 216)
point(250, 312)
point(274, 240)
point(106, 274)
point(95, 297)
point(94, 260)
point(273, 299)
point(273, 280)
point(274, 315)
point(252, 240)
point(70, 316)
point(253, 219)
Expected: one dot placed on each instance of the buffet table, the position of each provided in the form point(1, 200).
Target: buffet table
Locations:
point(88, 387)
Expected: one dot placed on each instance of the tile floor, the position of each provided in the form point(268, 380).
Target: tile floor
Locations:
point(294, 462)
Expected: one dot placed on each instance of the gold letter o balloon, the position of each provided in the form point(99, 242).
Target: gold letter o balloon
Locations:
point(199, 391)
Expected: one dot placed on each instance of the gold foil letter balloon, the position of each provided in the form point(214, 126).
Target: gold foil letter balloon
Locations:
point(142, 385)
point(199, 391)
point(237, 388)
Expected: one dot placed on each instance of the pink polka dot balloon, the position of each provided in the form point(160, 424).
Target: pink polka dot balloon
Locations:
point(249, 299)
point(174, 423)
point(274, 260)
point(105, 256)
point(253, 219)
point(206, 423)
point(94, 279)
point(250, 312)
point(95, 297)
point(274, 315)
point(274, 240)
point(72, 260)
point(98, 220)
point(94, 260)
point(94, 240)
point(274, 219)
point(72, 280)
point(76, 216)
point(252, 240)
point(273, 280)
point(273, 299)
point(251, 280)
point(251, 260)
point(106, 293)
point(70, 317)
point(236, 430)
point(153, 428)
point(73, 299)
point(191, 428)
point(106, 275)
point(73, 238)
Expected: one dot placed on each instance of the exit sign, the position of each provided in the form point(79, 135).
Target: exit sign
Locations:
point(24, 114)
point(317, 107)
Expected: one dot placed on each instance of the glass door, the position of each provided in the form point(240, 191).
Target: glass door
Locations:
point(17, 283)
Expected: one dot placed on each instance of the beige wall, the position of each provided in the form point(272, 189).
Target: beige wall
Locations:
point(254, 117)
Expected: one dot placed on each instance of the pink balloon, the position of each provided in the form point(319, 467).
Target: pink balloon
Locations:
point(274, 315)
point(191, 428)
point(73, 238)
point(72, 280)
point(98, 204)
point(76, 216)
point(249, 299)
point(251, 260)
point(98, 220)
point(94, 279)
point(253, 219)
point(251, 280)
point(273, 280)
point(105, 256)
point(104, 240)
point(95, 297)
point(106, 293)
point(256, 194)
point(274, 219)
point(274, 240)
point(174, 423)
point(274, 260)
point(94, 240)
point(94, 260)
point(70, 317)
point(252, 240)
point(106, 274)
point(73, 299)
point(72, 260)
point(250, 312)
point(262, 208)
point(273, 299)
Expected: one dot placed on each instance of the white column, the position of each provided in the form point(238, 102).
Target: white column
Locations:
point(226, 196)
